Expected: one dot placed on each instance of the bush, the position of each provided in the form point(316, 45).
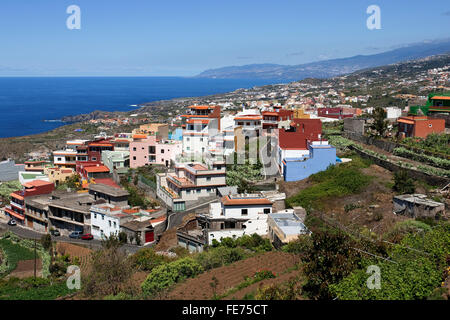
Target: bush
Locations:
point(46, 241)
point(166, 275)
point(122, 237)
point(220, 256)
point(403, 183)
point(147, 259)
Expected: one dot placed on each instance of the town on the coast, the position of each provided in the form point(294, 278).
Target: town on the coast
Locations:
point(239, 195)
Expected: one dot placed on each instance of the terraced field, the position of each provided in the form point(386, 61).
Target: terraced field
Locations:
point(82, 253)
point(228, 277)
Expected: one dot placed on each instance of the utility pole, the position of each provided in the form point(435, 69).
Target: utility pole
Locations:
point(34, 259)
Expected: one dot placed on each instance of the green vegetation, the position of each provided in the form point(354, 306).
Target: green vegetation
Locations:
point(6, 188)
point(147, 259)
point(13, 253)
point(415, 273)
point(166, 275)
point(252, 242)
point(403, 183)
point(73, 182)
point(379, 125)
point(339, 180)
point(438, 143)
point(32, 289)
point(421, 157)
point(241, 175)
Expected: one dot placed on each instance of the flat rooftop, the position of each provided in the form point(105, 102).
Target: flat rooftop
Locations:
point(418, 198)
point(289, 223)
point(109, 190)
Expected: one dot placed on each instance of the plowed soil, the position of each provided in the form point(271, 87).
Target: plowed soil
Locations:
point(199, 288)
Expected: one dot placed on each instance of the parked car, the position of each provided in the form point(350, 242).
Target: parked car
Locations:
point(12, 222)
point(55, 233)
point(75, 235)
point(87, 236)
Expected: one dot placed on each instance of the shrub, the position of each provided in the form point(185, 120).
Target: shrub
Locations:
point(46, 241)
point(403, 183)
point(147, 259)
point(167, 275)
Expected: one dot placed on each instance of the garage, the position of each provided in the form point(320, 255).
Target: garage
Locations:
point(149, 236)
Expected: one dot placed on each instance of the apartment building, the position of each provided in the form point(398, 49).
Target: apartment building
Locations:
point(201, 123)
point(17, 207)
point(190, 182)
point(150, 149)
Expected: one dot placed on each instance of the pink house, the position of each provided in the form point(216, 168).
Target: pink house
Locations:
point(145, 150)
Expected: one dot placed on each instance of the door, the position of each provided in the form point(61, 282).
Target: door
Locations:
point(149, 236)
point(30, 222)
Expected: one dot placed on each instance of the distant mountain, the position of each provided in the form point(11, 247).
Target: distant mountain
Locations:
point(329, 68)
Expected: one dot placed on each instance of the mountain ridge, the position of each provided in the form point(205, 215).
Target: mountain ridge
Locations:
point(328, 68)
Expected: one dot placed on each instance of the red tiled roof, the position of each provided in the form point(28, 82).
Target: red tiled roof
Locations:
point(97, 169)
point(227, 201)
point(108, 182)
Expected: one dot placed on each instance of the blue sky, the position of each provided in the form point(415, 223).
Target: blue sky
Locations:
point(171, 37)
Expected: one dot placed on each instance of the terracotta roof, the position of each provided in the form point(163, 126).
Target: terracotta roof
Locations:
point(199, 121)
point(201, 107)
point(97, 169)
point(440, 98)
point(227, 201)
point(139, 136)
point(248, 118)
point(37, 183)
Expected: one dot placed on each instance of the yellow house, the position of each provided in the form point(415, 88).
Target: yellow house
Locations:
point(58, 175)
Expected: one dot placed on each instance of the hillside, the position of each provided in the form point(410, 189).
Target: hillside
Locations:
point(329, 68)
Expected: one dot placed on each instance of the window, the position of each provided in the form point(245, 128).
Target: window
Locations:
point(430, 125)
point(152, 149)
point(188, 191)
point(134, 157)
point(208, 178)
point(103, 217)
point(187, 139)
point(199, 190)
point(244, 212)
point(109, 223)
point(188, 148)
point(59, 159)
point(115, 224)
point(162, 150)
point(94, 159)
point(266, 211)
point(134, 148)
point(95, 216)
point(201, 139)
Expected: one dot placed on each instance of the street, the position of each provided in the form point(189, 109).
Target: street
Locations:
point(91, 244)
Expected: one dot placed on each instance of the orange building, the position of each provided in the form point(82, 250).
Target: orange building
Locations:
point(419, 126)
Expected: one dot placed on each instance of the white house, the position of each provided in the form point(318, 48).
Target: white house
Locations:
point(237, 215)
point(106, 219)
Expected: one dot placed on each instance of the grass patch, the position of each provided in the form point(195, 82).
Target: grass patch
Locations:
point(13, 253)
point(28, 289)
point(336, 181)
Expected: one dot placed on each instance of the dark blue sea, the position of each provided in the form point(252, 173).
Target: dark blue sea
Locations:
point(26, 103)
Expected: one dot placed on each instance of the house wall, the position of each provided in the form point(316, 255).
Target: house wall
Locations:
point(422, 128)
point(320, 159)
point(139, 151)
point(102, 222)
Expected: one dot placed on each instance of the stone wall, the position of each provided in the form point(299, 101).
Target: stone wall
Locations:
point(418, 175)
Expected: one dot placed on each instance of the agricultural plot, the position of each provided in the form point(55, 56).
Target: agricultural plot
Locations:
point(82, 254)
point(231, 276)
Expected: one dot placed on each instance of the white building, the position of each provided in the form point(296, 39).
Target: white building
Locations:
point(393, 112)
point(106, 220)
point(237, 215)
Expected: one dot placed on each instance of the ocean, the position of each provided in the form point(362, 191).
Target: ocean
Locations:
point(34, 105)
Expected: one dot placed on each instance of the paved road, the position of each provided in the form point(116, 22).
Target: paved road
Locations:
point(267, 156)
point(31, 234)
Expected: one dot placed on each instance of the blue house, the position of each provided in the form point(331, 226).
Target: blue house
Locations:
point(176, 134)
point(321, 155)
